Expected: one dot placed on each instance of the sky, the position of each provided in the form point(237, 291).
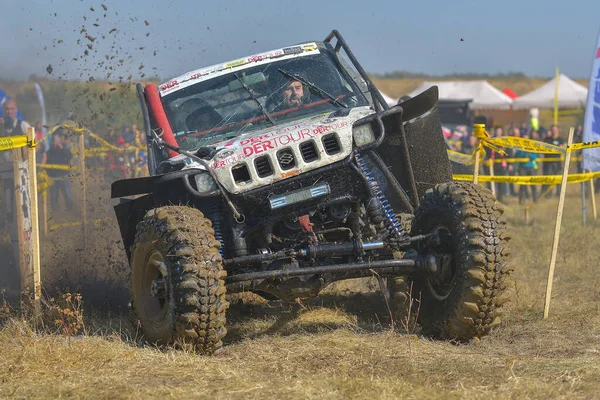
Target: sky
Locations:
point(137, 39)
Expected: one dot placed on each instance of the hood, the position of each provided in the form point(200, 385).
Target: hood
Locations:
point(263, 157)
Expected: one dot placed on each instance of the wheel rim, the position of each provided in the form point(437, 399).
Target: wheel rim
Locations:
point(441, 282)
point(155, 290)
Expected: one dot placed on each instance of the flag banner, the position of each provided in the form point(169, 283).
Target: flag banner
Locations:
point(591, 126)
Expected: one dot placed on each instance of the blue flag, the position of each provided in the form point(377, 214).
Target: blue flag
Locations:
point(591, 126)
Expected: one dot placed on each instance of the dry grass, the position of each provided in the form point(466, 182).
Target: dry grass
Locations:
point(340, 345)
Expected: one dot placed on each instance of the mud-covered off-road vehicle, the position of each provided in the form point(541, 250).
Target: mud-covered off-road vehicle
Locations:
point(282, 172)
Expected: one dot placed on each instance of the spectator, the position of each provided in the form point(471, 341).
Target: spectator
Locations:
point(524, 129)
point(534, 121)
point(142, 161)
point(578, 138)
point(128, 135)
point(528, 168)
point(60, 154)
point(553, 166)
point(500, 167)
point(470, 145)
point(12, 126)
point(119, 167)
point(40, 150)
point(512, 168)
point(136, 133)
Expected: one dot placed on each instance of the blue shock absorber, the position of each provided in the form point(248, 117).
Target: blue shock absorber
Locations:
point(392, 223)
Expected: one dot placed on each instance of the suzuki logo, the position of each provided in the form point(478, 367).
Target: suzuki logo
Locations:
point(286, 159)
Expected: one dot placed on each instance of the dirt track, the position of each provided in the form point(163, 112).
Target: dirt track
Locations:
point(97, 268)
point(338, 345)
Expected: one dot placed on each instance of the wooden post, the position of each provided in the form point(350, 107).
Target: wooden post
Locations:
point(493, 184)
point(478, 131)
point(45, 211)
point(583, 203)
point(559, 214)
point(83, 188)
point(35, 236)
point(17, 162)
point(556, 97)
point(476, 168)
point(593, 196)
point(25, 177)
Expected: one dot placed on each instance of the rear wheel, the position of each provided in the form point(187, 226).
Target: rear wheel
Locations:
point(178, 286)
point(462, 300)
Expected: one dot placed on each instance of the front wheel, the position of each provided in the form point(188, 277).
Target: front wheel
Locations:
point(178, 286)
point(462, 300)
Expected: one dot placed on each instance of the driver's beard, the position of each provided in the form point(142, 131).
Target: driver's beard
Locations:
point(295, 101)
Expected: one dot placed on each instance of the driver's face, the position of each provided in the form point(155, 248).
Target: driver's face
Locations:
point(292, 94)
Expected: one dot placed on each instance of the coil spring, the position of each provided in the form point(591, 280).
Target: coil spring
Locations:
point(214, 211)
point(392, 224)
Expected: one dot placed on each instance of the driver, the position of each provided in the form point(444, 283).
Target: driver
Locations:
point(293, 94)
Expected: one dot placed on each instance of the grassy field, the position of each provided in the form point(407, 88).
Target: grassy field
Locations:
point(339, 345)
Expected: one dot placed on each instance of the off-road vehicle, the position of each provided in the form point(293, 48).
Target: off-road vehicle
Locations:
point(284, 171)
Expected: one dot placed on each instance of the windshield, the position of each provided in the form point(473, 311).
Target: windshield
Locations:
point(258, 97)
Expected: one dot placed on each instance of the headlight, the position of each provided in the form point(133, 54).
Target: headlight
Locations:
point(204, 182)
point(363, 135)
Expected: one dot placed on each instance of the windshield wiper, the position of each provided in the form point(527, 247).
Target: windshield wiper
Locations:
point(253, 97)
point(317, 89)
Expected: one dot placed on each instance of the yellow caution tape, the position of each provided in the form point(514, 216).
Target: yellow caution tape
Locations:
point(59, 166)
point(96, 222)
point(95, 151)
point(468, 159)
point(484, 140)
point(100, 151)
point(14, 142)
point(44, 181)
point(110, 147)
point(461, 158)
point(586, 145)
point(531, 180)
point(528, 145)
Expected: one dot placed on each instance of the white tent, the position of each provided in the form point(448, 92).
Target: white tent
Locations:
point(484, 95)
point(570, 95)
point(391, 102)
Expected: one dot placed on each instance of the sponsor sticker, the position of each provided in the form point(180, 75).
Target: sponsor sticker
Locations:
point(199, 75)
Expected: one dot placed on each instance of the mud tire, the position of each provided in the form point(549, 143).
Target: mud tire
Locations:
point(472, 301)
point(192, 309)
